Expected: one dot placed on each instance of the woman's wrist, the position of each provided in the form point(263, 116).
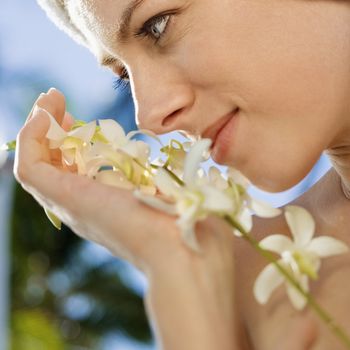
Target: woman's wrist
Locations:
point(192, 306)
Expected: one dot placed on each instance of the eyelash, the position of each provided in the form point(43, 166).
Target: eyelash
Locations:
point(122, 82)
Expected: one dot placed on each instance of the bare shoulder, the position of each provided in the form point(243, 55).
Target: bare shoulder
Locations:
point(268, 323)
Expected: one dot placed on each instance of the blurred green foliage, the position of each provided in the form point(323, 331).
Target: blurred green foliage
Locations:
point(60, 298)
point(32, 330)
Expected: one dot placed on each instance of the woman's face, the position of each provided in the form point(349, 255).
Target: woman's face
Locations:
point(285, 64)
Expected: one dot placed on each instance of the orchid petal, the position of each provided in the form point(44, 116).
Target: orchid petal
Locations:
point(80, 162)
point(114, 178)
point(156, 203)
point(84, 133)
point(111, 156)
point(55, 221)
point(301, 224)
point(137, 149)
point(56, 133)
point(216, 178)
point(112, 131)
point(148, 190)
point(93, 165)
point(296, 298)
point(166, 184)
point(193, 159)
point(263, 209)
point(277, 243)
point(237, 177)
point(326, 246)
point(245, 219)
point(237, 233)
point(131, 149)
point(187, 213)
point(188, 235)
point(187, 145)
point(268, 280)
point(68, 156)
point(215, 200)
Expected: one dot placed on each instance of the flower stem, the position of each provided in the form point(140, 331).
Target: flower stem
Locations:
point(174, 176)
point(337, 330)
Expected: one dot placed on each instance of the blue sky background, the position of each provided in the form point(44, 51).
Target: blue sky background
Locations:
point(34, 50)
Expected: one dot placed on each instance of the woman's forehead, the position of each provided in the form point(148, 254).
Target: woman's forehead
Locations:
point(100, 20)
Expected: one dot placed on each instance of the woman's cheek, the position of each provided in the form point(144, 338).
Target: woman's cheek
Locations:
point(274, 154)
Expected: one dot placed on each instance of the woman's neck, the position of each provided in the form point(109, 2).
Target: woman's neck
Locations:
point(328, 204)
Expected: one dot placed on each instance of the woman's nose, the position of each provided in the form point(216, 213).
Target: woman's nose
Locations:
point(162, 102)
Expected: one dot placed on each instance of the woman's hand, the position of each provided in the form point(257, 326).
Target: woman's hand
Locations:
point(301, 334)
point(202, 286)
point(109, 216)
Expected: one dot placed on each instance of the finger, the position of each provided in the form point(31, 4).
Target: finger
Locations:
point(54, 102)
point(77, 194)
point(76, 199)
point(30, 140)
point(32, 166)
point(301, 335)
point(41, 96)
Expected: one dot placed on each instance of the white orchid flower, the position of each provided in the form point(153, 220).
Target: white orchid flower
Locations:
point(194, 200)
point(93, 147)
point(300, 257)
point(116, 137)
point(246, 205)
point(176, 153)
point(259, 207)
point(235, 184)
point(129, 173)
point(74, 144)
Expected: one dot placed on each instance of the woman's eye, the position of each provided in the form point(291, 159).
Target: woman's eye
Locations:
point(122, 81)
point(154, 27)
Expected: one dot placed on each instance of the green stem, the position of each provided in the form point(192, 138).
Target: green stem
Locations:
point(174, 176)
point(337, 330)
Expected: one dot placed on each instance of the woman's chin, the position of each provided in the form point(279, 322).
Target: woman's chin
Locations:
point(276, 182)
point(273, 187)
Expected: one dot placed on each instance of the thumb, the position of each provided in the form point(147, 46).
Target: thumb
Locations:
point(300, 335)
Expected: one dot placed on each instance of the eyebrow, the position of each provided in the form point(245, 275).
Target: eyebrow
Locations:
point(125, 19)
point(122, 33)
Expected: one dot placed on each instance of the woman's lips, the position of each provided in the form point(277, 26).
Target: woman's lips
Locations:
point(223, 138)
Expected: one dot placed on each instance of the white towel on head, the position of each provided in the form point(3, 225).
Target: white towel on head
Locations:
point(58, 14)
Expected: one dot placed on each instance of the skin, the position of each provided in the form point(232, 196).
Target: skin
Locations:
point(285, 92)
point(285, 64)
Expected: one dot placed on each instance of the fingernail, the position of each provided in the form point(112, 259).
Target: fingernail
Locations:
point(51, 89)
